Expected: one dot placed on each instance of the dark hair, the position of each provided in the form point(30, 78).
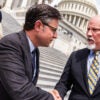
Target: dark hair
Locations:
point(39, 12)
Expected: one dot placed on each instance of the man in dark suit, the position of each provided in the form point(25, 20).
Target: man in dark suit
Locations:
point(81, 74)
point(0, 25)
point(0, 16)
point(18, 73)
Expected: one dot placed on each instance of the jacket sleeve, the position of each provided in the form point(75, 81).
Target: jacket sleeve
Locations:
point(65, 82)
point(13, 76)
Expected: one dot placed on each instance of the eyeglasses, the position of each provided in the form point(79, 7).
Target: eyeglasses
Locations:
point(51, 27)
point(94, 30)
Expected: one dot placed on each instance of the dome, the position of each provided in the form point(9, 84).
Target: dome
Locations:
point(93, 2)
point(78, 12)
point(84, 7)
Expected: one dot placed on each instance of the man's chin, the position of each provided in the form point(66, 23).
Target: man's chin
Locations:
point(91, 47)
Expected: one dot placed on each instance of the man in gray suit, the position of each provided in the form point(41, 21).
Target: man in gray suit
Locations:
point(19, 55)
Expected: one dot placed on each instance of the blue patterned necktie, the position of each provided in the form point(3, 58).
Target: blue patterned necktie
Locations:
point(34, 63)
point(93, 73)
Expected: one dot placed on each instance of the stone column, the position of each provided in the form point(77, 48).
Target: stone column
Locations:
point(86, 25)
point(66, 16)
point(74, 20)
point(19, 3)
point(78, 22)
point(8, 4)
point(70, 18)
point(16, 3)
point(82, 24)
point(74, 6)
point(24, 3)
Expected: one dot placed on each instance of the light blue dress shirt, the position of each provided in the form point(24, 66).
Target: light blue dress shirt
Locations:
point(32, 47)
point(89, 61)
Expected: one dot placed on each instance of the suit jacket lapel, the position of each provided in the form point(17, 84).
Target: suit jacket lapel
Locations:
point(26, 47)
point(26, 51)
point(84, 70)
point(84, 73)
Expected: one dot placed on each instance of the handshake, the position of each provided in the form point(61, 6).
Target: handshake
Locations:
point(55, 94)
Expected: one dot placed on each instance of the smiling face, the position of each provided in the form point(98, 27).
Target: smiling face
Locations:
point(93, 33)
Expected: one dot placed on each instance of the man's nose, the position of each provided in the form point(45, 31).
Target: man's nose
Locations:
point(89, 32)
point(55, 35)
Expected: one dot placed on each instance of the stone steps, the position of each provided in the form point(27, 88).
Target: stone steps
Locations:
point(52, 63)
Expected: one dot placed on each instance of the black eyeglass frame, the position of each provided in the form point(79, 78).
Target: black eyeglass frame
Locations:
point(51, 27)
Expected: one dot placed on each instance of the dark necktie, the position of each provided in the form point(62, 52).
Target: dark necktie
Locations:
point(93, 73)
point(34, 63)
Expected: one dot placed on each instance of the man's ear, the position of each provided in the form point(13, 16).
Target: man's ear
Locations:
point(38, 25)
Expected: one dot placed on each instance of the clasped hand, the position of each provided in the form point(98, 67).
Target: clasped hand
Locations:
point(55, 94)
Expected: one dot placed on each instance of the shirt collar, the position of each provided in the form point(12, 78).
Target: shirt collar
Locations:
point(91, 52)
point(31, 45)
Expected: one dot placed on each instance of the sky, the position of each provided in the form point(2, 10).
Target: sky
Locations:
point(98, 5)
